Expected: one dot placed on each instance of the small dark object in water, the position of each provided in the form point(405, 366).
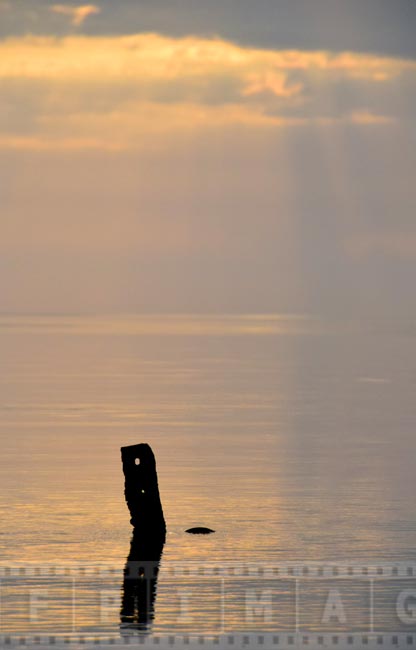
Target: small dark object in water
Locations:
point(199, 531)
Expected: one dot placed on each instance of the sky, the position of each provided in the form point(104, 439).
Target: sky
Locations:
point(213, 157)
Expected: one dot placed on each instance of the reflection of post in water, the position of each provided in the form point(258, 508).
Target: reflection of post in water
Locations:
point(140, 581)
point(141, 570)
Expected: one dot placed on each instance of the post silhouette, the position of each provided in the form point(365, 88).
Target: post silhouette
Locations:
point(141, 491)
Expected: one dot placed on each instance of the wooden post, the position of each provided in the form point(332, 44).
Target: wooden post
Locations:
point(142, 490)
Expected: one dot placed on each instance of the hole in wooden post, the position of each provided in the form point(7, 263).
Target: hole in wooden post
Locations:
point(137, 461)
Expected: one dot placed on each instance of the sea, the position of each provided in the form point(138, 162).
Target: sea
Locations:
point(291, 436)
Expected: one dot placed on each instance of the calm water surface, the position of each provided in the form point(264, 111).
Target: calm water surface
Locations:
point(294, 439)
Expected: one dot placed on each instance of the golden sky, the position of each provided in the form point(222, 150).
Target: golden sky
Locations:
point(155, 171)
point(117, 92)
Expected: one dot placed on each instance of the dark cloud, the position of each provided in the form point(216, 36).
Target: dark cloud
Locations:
point(379, 26)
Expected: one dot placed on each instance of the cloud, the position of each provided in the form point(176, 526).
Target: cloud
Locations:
point(273, 82)
point(43, 143)
point(123, 91)
point(77, 14)
point(367, 118)
point(157, 57)
point(332, 25)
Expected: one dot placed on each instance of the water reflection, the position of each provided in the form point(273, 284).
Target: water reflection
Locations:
point(140, 582)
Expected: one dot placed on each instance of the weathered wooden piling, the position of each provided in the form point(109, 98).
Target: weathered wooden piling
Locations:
point(142, 491)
